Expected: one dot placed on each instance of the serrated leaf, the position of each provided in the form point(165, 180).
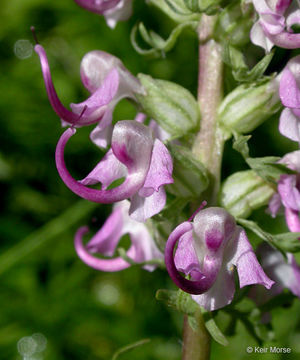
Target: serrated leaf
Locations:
point(171, 105)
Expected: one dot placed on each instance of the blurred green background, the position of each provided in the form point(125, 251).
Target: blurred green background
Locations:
point(44, 287)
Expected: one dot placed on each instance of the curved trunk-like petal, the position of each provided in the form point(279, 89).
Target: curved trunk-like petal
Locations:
point(109, 265)
point(286, 40)
point(132, 145)
point(193, 287)
point(58, 107)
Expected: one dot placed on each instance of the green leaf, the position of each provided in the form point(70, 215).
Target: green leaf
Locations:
point(176, 10)
point(213, 328)
point(286, 242)
point(179, 300)
point(158, 45)
point(240, 71)
point(129, 347)
point(171, 105)
point(268, 168)
point(240, 144)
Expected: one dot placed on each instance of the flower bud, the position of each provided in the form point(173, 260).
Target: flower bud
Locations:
point(244, 192)
point(233, 25)
point(247, 107)
point(171, 105)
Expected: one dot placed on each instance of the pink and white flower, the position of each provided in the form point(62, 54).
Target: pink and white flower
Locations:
point(289, 92)
point(145, 163)
point(289, 192)
point(112, 10)
point(108, 81)
point(105, 241)
point(275, 24)
point(209, 248)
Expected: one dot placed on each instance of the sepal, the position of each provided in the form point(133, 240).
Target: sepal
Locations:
point(173, 107)
point(247, 107)
point(243, 192)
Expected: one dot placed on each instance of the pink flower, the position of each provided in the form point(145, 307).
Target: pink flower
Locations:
point(108, 81)
point(275, 24)
point(105, 242)
point(208, 250)
point(289, 92)
point(144, 162)
point(289, 192)
point(112, 10)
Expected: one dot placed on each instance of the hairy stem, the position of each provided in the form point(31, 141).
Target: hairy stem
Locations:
point(196, 342)
point(208, 145)
point(208, 148)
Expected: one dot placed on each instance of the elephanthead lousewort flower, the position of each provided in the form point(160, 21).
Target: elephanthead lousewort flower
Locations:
point(108, 81)
point(275, 24)
point(208, 249)
point(105, 241)
point(289, 92)
point(289, 192)
point(112, 10)
point(285, 273)
point(144, 162)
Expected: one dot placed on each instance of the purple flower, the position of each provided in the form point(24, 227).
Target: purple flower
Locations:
point(105, 242)
point(275, 24)
point(106, 79)
point(289, 192)
point(112, 10)
point(285, 273)
point(208, 249)
point(144, 162)
point(289, 92)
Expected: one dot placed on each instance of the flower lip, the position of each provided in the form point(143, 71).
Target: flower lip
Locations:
point(192, 287)
point(97, 103)
point(97, 6)
point(136, 138)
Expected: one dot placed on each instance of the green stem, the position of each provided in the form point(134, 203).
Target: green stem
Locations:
point(208, 148)
point(209, 142)
point(51, 231)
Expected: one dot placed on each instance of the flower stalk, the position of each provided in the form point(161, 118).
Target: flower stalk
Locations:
point(208, 148)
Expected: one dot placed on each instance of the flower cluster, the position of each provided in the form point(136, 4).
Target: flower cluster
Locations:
point(201, 254)
point(276, 23)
